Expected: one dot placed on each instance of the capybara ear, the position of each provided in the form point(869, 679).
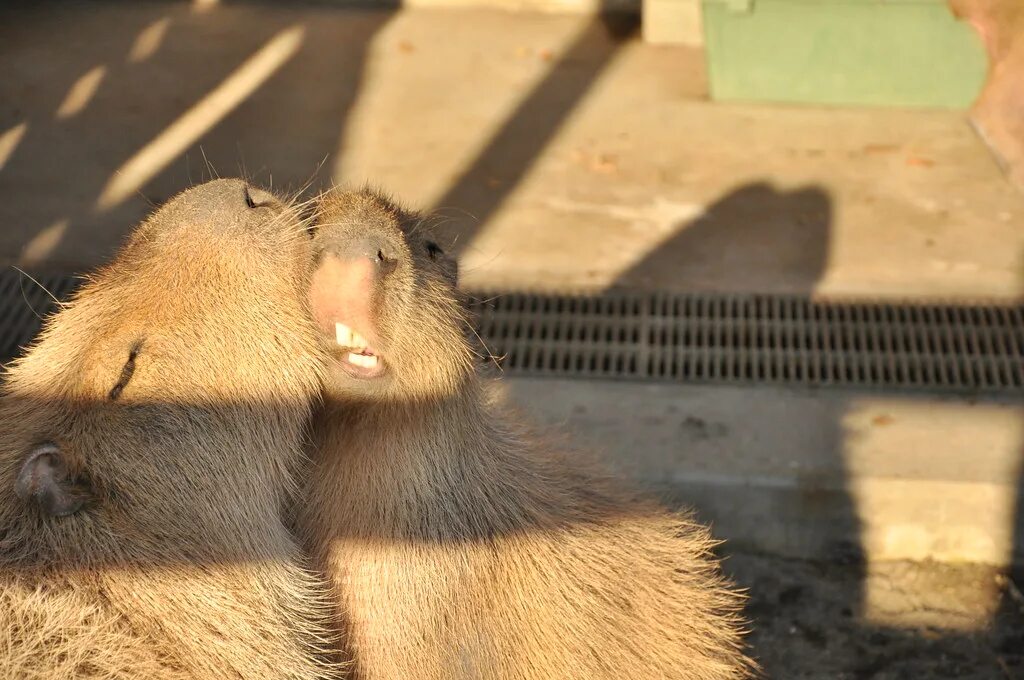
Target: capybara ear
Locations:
point(44, 480)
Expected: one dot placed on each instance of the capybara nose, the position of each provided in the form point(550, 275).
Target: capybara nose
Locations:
point(375, 248)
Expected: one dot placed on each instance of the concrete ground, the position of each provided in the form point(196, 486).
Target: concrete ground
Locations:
point(824, 473)
point(561, 152)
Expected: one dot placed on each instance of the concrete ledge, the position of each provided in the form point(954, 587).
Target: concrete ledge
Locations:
point(673, 22)
point(811, 474)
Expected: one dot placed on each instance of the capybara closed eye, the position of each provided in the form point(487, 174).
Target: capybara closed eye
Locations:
point(460, 543)
point(151, 439)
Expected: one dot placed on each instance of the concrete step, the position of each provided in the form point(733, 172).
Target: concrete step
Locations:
point(811, 473)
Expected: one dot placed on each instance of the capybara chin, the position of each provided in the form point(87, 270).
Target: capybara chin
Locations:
point(150, 440)
point(459, 543)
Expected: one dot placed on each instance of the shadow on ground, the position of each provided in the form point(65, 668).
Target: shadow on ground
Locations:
point(765, 237)
point(504, 161)
point(194, 95)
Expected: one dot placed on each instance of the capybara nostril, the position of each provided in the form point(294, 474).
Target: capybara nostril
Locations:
point(375, 248)
point(385, 263)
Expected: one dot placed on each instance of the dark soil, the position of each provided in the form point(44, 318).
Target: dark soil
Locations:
point(890, 621)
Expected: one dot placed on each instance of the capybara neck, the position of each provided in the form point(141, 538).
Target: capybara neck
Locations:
point(436, 422)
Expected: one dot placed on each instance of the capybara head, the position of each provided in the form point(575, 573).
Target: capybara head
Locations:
point(159, 414)
point(383, 295)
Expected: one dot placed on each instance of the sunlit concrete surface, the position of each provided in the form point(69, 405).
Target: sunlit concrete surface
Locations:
point(149, 40)
point(81, 92)
point(257, 89)
point(899, 594)
point(810, 473)
point(39, 248)
point(561, 151)
point(9, 141)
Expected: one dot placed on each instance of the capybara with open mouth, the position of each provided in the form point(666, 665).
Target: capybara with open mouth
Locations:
point(460, 544)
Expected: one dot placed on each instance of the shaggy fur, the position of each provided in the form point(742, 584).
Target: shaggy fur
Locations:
point(462, 545)
point(176, 386)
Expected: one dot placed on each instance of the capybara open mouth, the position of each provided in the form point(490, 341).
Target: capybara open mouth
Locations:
point(358, 358)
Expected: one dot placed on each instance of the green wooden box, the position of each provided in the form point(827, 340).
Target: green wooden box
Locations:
point(908, 53)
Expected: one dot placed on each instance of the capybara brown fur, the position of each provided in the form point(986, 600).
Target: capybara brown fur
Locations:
point(151, 443)
point(461, 544)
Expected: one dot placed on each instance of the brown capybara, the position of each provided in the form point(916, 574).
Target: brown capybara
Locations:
point(459, 543)
point(150, 440)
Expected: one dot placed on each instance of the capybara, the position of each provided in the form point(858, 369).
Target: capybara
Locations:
point(460, 544)
point(151, 442)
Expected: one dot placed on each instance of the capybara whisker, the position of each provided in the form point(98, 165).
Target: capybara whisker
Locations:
point(58, 302)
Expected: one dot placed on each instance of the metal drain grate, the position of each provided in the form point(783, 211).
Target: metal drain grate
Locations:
point(758, 339)
point(699, 338)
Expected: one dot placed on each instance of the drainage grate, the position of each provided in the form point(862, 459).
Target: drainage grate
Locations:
point(758, 339)
point(699, 338)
